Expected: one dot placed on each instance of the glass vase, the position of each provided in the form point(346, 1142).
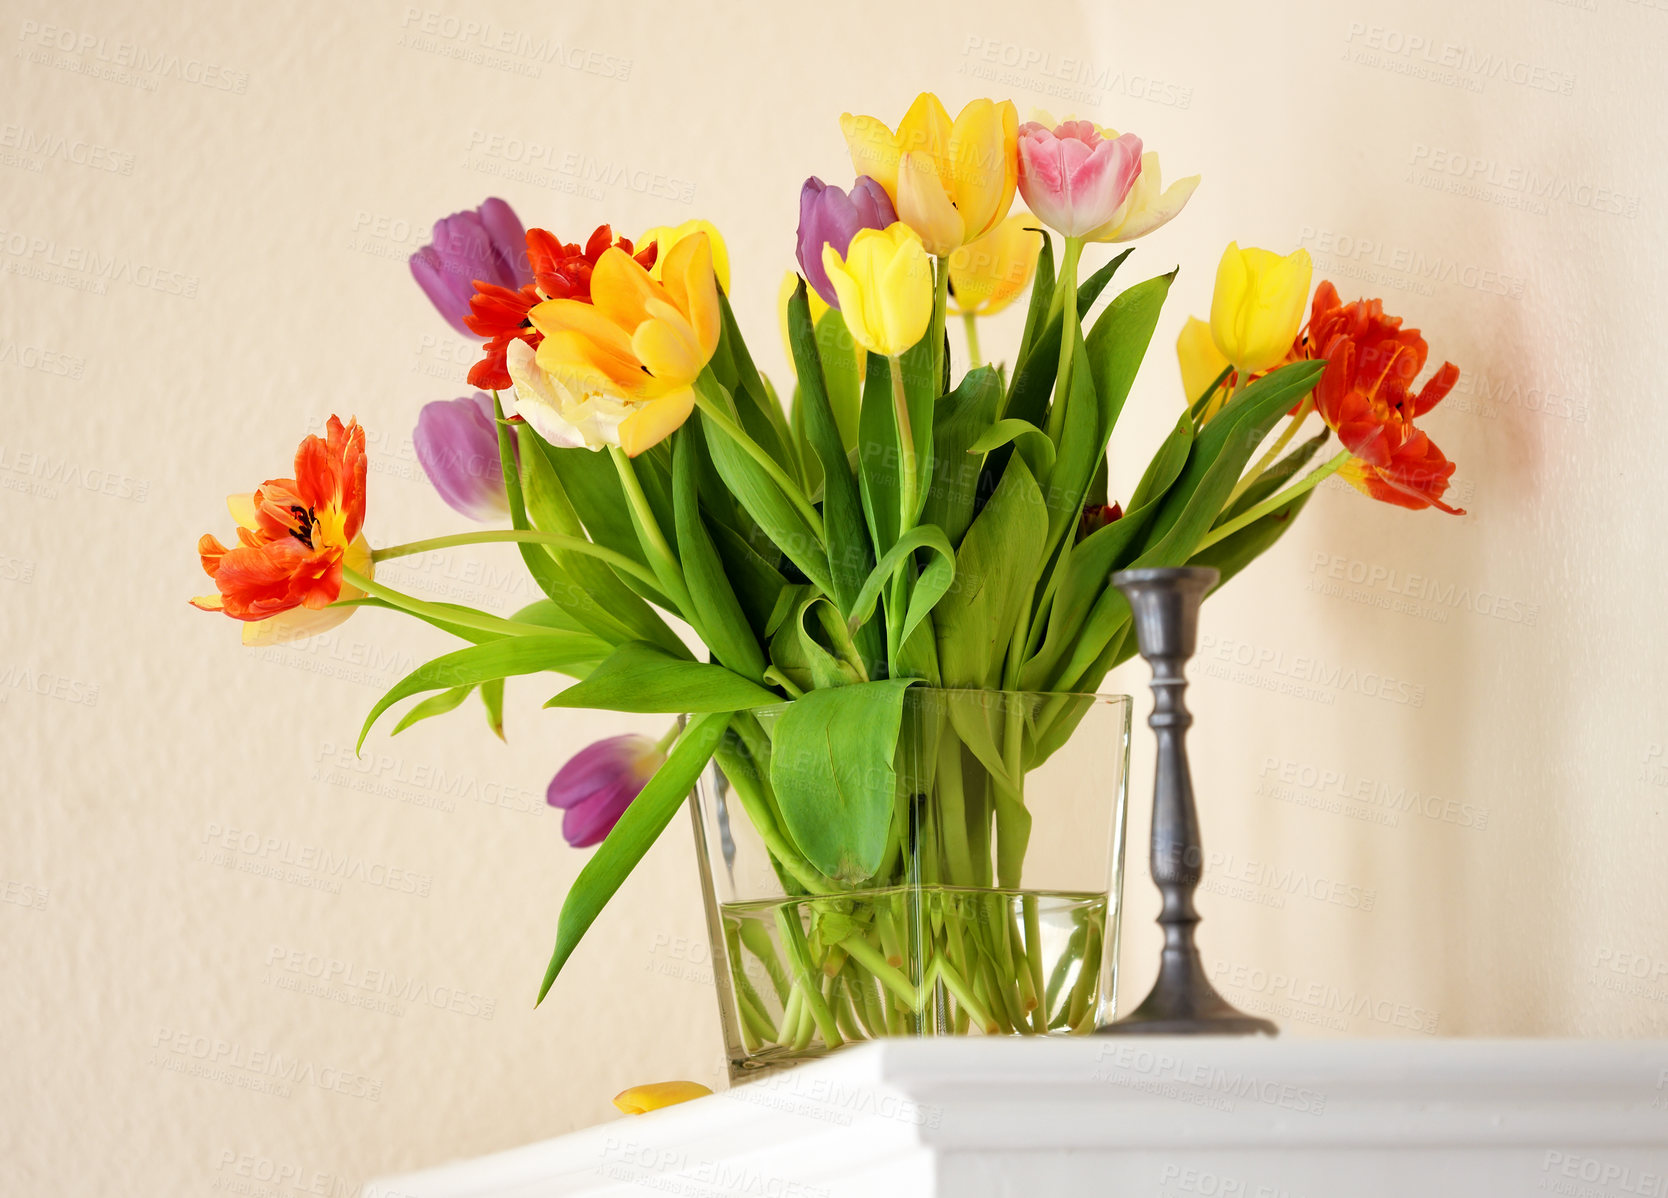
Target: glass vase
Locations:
point(994, 912)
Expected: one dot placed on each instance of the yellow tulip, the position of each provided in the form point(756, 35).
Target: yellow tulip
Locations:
point(640, 1100)
point(625, 364)
point(885, 288)
point(1258, 305)
point(989, 274)
point(950, 181)
point(1201, 361)
point(669, 236)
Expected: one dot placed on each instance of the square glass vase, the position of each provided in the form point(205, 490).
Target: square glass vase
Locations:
point(995, 910)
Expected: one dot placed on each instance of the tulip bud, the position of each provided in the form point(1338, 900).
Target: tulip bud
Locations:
point(457, 444)
point(829, 216)
point(599, 782)
point(884, 284)
point(488, 244)
point(1258, 305)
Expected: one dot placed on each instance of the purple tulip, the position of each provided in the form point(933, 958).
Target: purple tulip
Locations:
point(828, 216)
point(596, 786)
point(488, 244)
point(457, 444)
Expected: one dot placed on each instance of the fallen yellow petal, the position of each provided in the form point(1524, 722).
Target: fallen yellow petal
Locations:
point(639, 1100)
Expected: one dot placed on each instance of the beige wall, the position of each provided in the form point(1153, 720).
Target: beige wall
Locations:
point(1438, 814)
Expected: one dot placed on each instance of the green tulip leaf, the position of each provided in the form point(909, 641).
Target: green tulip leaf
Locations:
point(1026, 437)
point(492, 698)
point(1118, 342)
point(432, 706)
point(718, 614)
point(850, 554)
point(996, 568)
point(959, 420)
point(831, 766)
point(1219, 456)
point(843, 364)
point(1042, 298)
point(935, 578)
point(1237, 550)
point(587, 588)
point(761, 498)
point(572, 653)
point(639, 677)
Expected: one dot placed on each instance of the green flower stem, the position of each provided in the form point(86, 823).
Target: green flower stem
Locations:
point(970, 323)
point(790, 1017)
point(888, 933)
point(839, 1000)
point(758, 942)
point(661, 557)
point(1275, 502)
point(461, 616)
point(906, 450)
point(940, 304)
point(809, 977)
point(869, 1011)
point(1088, 979)
point(1074, 951)
point(618, 560)
point(957, 986)
point(714, 411)
point(1268, 459)
point(746, 995)
point(898, 591)
point(1033, 958)
point(952, 808)
point(1066, 292)
point(753, 1015)
point(1000, 924)
point(892, 978)
point(988, 989)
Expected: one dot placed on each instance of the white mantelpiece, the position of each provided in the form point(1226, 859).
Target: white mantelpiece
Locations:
point(1158, 1118)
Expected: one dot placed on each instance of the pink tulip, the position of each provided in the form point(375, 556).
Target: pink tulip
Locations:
point(1074, 179)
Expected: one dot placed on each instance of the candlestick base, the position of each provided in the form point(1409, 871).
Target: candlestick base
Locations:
point(1164, 605)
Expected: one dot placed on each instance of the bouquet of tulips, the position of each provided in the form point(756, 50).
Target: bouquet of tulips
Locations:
point(908, 520)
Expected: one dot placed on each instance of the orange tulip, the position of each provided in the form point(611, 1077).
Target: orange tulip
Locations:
point(1365, 396)
point(294, 537)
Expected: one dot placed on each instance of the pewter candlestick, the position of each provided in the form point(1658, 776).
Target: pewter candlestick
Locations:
point(1165, 606)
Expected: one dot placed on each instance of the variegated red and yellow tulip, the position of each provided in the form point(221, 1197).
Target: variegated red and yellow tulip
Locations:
point(621, 369)
point(561, 270)
point(294, 537)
